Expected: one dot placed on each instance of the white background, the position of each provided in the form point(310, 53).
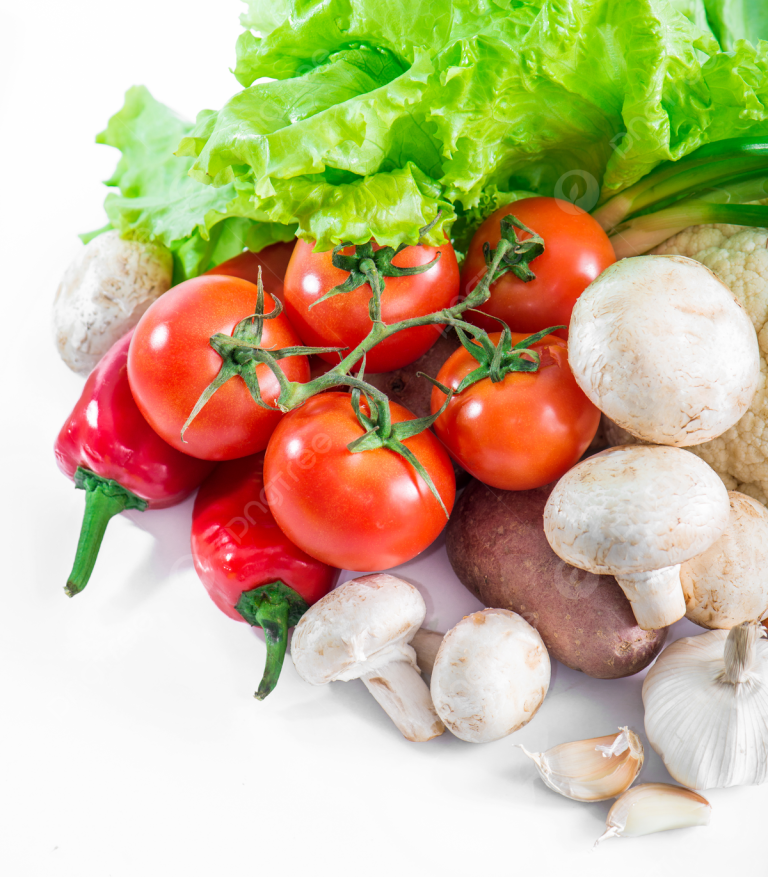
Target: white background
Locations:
point(129, 740)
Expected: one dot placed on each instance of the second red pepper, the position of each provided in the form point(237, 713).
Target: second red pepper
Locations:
point(250, 568)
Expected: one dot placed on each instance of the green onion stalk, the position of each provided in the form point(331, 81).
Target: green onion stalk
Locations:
point(715, 183)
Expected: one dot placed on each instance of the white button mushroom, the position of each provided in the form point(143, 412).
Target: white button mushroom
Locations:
point(362, 630)
point(104, 293)
point(728, 583)
point(637, 512)
point(491, 675)
point(663, 347)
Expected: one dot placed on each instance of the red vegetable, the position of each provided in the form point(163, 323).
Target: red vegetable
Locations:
point(273, 260)
point(368, 510)
point(171, 362)
point(343, 321)
point(522, 431)
point(112, 453)
point(251, 569)
point(576, 250)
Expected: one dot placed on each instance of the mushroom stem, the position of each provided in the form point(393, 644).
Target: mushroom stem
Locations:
point(426, 643)
point(405, 698)
point(656, 596)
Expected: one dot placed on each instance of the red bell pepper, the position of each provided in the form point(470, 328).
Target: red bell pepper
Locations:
point(109, 450)
point(250, 568)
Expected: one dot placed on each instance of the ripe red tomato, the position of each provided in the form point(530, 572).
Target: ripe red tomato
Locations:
point(343, 320)
point(576, 250)
point(273, 260)
point(170, 363)
point(369, 510)
point(522, 432)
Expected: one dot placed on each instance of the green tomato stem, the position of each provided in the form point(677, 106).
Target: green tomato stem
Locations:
point(295, 394)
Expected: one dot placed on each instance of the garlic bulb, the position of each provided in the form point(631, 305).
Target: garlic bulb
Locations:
point(706, 708)
point(591, 770)
point(654, 807)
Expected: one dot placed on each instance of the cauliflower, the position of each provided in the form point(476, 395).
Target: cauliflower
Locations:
point(739, 257)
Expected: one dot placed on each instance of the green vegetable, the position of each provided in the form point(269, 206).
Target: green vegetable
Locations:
point(732, 20)
point(158, 201)
point(710, 185)
point(382, 113)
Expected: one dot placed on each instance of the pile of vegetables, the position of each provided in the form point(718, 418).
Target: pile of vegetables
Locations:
point(412, 190)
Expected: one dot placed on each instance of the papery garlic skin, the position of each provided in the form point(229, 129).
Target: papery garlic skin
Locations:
point(591, 770)
point(653, 807)
point(706, 714)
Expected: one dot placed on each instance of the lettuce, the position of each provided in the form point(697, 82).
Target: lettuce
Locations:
point(380, 114)
point(733, 20)
point(158, 200)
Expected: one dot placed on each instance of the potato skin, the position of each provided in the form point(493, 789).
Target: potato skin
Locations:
point(497, 548)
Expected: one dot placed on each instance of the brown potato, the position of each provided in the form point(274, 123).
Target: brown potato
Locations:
point(496, 545)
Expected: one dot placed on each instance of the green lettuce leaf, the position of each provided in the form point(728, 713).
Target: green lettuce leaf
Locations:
point(468, 220)
point(381, 113)
point(733, 20)
point(159, 201)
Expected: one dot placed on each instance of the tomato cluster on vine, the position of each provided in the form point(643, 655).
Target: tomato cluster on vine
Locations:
point(220, 370)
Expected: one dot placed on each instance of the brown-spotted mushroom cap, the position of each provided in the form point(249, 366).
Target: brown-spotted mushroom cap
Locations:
point(491, 675)
point(637, 512)
point(362, 630)
point(728, 583)
point(104, 293)
point(660, 345)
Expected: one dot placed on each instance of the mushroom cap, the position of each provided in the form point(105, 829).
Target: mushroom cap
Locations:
point(490, 675)
point(635, 508)
point(727, 584)
point(664, 349)
point(104, 293)
point(360, 626)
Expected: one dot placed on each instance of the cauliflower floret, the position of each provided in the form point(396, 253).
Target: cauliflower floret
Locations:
point(739, 257)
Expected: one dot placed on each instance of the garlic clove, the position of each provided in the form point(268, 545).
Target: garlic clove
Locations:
point(654, 807)
point(591, 770)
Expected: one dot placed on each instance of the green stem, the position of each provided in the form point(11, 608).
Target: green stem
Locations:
point(296, 394)
point(726, 189)
point(274, 608)
point(645, 232)
point(104, 499)
point(711, 165)
point(273, 618)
